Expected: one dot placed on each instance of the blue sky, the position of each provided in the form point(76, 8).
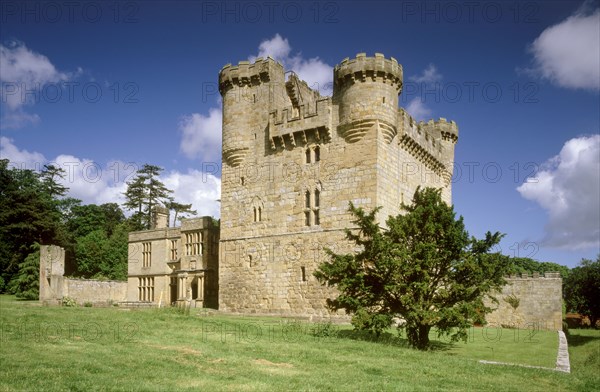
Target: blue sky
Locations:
point(103, 87)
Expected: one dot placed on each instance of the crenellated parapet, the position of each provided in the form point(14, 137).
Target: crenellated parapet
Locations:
point(363, 69)
point(247, 74)
point(431, 143)
point(291, 125)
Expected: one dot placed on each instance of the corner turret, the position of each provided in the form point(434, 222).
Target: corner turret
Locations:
point(249, 90)
point(366, 90)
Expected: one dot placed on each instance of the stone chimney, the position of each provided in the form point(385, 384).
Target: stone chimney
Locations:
point(160, 218)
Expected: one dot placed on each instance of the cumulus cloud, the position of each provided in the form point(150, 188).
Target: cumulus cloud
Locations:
point(568, 53)
point(201, 190)
point(21, 159)
point(417, 108)
point(22, 71)
point(201, 135)
point(568, 188)
point(313, 71)
point(94, 183)
point(429, 75)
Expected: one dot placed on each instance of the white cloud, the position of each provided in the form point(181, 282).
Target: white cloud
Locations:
point(417, 109)
point(21, 71)
point(568, 53)
point(18, 119)
point(429, 75)
point(568, 187)
point(21, 159)
point(313, 71)
point(201, 190)
point(201, 135)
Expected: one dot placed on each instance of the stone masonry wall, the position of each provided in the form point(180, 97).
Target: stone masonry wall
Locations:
point(285, 147)
point(54, 286)
point(540, 303)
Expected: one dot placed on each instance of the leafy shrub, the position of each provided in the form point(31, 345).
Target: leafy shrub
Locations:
point(87, 304)
point(69, 302)
point(324, 330)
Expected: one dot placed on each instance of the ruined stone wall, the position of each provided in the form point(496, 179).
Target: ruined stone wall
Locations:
point(95, 291)
point(539, 303)
point(54, 286)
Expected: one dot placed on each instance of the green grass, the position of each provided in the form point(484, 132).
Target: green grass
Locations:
point(83, 348)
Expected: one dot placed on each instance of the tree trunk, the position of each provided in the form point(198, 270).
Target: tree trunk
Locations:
point(423, 341)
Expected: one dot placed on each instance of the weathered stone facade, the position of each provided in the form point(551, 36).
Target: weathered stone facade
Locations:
point(174, 265)
point(54, 286)
point(292, 162)
point(538, 300)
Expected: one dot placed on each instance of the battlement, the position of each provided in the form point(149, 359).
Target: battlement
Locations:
point(361, 68)
point(535, 275)
point(246, 73)
point(316, 117)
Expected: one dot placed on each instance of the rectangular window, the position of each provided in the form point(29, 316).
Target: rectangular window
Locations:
point(193, 244)
point(307, 218)
point(146, 254)
point(316, 215)
point(303, 271)
point(173, 249)
point(146, 289)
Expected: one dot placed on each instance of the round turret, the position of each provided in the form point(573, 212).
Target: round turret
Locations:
point(245, 92)
point(366, 90)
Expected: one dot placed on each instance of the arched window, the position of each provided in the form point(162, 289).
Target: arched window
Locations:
point(317, 198)
point(307, 199)
point(307, 153)
point(317, 154)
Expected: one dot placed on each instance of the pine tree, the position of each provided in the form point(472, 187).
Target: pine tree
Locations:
point(144, 192)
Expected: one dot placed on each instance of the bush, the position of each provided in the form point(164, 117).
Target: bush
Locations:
point(87, 304)
point(324, 330)
point(69, 302)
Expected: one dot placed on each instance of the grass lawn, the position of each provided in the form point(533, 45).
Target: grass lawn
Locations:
point(82, 349)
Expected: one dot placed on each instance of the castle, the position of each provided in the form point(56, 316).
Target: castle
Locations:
point(292, 162)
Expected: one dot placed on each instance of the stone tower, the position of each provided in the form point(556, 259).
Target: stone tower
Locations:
point(292, 162)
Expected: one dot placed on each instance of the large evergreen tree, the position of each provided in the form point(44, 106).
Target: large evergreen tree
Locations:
point(144, 192)
point(29, 213)
point(424, 268)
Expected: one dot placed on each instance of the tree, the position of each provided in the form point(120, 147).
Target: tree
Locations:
point(582, 290)
point(100, 256)
point(424, 268)
point(26, 283)
point(180, 209)
point(29, 213)
point(144, 192)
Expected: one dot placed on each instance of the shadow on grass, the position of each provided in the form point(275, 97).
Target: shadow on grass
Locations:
point(388, 338)
point(574, 339)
